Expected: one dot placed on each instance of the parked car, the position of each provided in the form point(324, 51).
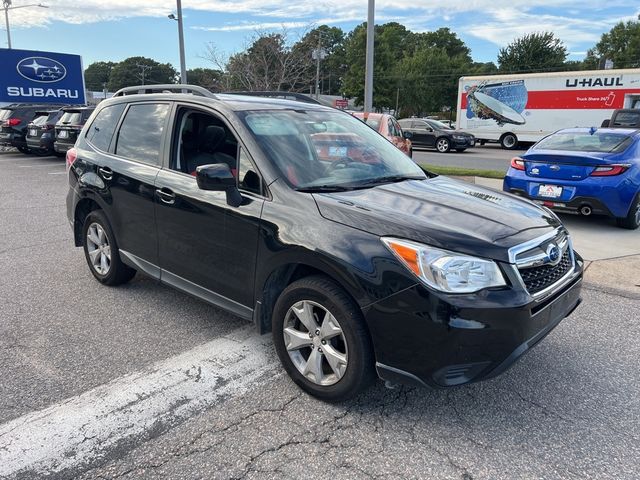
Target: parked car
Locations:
point(623, 118)
point(41, 132)
point(356, 260)
point(69, 126)
point(387, 126)
point(14, 121)
point(429, 133)
point(583, 170)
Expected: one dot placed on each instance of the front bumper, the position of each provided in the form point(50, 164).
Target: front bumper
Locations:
point(463, 143)
point(448, 340)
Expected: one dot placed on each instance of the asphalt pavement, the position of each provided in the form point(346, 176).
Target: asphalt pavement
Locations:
point(483, 157)
point(141, 381)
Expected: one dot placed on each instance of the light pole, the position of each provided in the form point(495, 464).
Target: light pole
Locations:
point(183, 68)
point(368, 76)
point(6, 4)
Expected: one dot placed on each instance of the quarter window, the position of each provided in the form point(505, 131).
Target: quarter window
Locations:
point(141, 133)
point(101, 130)
point(248, 178)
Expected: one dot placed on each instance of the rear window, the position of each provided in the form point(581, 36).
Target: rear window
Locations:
point(71, 118)
point(600, 142)
point(40, 118)
point(626, 119)
point(54, 117)
point(5, 113)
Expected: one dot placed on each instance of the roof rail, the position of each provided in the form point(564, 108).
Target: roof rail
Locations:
point(165, 88)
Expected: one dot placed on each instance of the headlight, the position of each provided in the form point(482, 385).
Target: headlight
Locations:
point(446, 271)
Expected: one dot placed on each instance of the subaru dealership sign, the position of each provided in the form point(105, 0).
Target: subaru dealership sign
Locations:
point(41, 77)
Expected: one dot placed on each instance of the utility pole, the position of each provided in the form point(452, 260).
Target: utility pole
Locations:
point(6, 4)
point(368, 78)
point(318, 58)
point(143, 69)
point(183, 68)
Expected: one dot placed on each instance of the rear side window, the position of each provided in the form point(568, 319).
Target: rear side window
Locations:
point(101, 130)
point(40, 119)
point(141, 132)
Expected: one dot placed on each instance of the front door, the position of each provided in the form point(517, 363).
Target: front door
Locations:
point(206, 247)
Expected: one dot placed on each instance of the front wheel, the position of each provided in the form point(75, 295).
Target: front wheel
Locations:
point(443, 145)
point(101, 251)
point(321, 339)
point(632, 220)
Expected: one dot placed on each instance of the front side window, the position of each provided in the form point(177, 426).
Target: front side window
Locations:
point(101, 130)
point(600, 142)
point(327, 149)
point(140, 135)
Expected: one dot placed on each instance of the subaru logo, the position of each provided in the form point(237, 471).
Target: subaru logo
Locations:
point(535, 171)
point(553, 254)
point(41, 69)
point(555, 168)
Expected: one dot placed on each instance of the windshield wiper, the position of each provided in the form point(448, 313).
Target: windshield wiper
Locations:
point(388, 179)
point(323, 188)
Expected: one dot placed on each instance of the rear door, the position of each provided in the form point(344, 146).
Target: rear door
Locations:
point(128, 163)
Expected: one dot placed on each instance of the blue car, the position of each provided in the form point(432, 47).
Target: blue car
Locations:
point(582, 170)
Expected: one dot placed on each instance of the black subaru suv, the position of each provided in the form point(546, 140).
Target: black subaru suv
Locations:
point(41, 131)
point(355, 259)
point(69, 126)
point(14, 122)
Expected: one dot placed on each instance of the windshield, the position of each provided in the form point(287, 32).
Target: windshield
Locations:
point(324, 150)
point(601, 142)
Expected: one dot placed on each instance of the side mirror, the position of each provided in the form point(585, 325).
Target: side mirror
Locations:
point(218, 178)
point(407, 135)
point(428, 129)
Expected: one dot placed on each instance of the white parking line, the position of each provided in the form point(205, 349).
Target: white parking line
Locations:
point(81, 429)
point(57, 173)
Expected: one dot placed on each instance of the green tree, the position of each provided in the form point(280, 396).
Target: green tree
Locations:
point(96, 76)
point(206, 77)
point(392, 42)
point(533, 52)
point(141, 70)
point(621, 44)
point(445, 39)
point(333, 65)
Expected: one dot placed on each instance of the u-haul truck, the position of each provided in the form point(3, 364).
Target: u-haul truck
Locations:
point(524, 108)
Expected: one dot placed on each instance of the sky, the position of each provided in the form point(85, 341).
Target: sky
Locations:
point(112, 30)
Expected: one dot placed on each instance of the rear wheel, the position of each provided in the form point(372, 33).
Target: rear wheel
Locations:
point(42, 152)
point(443, 145)
point(101, 251)
point(632, 220)
point(509, 141)
point(24, 150)
point(321, 339)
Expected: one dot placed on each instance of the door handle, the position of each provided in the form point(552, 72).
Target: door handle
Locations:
point(106, 173)
point(165, 195)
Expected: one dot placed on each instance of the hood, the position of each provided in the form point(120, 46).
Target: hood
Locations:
point(442, 212)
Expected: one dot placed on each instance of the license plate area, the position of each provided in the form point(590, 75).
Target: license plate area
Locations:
point(63, 134)
point(549, 191)
point(33, 132)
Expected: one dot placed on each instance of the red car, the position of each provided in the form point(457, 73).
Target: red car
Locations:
point(387, 126)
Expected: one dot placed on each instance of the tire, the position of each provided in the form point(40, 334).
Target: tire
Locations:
point(110, 271)
point(24, 150)
point(632, 220)
point(352, 353)
point(443, 145)
point(42, 152)
point(460, 150)
point(509, 141)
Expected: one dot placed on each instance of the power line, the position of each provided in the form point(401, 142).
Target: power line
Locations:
point(143, 69)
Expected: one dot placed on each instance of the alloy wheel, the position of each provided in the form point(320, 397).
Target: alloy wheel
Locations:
point(442, 145)
point(315, 343)
point(98, 249)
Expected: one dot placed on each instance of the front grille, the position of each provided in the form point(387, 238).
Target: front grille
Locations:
point(537, 279)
